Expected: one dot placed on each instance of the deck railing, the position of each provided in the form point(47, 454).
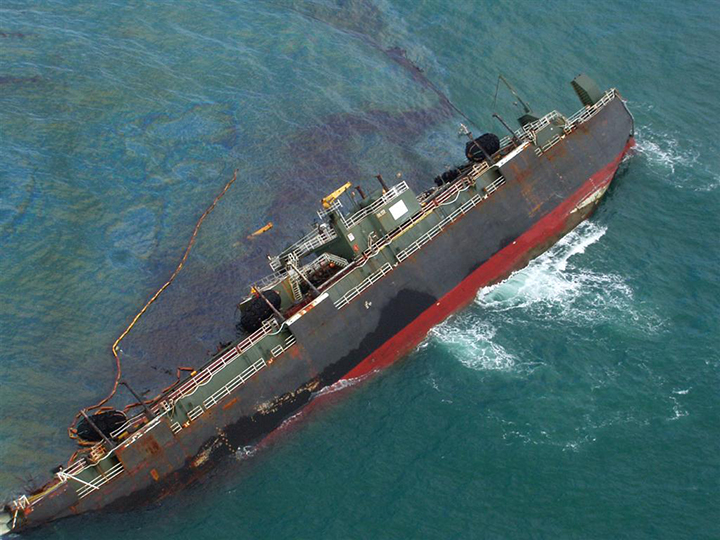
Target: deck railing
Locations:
point(305, 245)
point(203, 377)
point(276, 277)
point(527, 132)
point(390, 194)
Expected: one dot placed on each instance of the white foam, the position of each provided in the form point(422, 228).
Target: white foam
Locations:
point(556, 288)
point(661, 151)
point(471, 341)
point(245, 452)
point(678, 163)
point(549, 280)
point(712, 184)
point(575, 445)
point(678, 412)
point(675, 163)
point(559, 286)
point(339, 385)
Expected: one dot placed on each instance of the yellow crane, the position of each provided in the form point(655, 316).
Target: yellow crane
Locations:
point(327, 201)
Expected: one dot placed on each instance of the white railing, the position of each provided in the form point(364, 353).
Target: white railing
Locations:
point(277, 351)
point(195, 413)
point(272, 279)
point(527, 133)
point(492, 187)
point(478, 169)
point(166, 406)
point(314, 240)
point(583, 115)
point(232, 385)
point(549, 144)
point(335, 206)
point(94, 484)
point(335, 259)
point(206, 374)
point(306, 244)
point(390, 194)
point(546, 120)
point(437, 229)
point(276, 277)
point(587, 112)
point(357, 290)
point(127, 425)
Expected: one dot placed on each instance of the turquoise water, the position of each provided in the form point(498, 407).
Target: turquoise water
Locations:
point(578, 399)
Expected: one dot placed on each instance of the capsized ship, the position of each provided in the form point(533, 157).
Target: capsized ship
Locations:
point(356, 293)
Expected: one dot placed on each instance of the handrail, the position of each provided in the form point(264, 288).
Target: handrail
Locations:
point(306, 244)
point(390, 194)
point(276, 277)
point(203, 377)
point(526, 133)
point(585, 113)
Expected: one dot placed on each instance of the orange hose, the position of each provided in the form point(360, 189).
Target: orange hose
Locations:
point(72, 433)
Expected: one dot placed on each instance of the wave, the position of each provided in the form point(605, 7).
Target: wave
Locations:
point(550, 281)
point(472, 343)
point(339, 385)
point(552, 291)
point(663, 150)
point(249, 451)
point(677, 410)
point(679, 163)
point(245, 452)
point(545, 284)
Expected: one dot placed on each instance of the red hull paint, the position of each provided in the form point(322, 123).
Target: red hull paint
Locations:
point(500, 265)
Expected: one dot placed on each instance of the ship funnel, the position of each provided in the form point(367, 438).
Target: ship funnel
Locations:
point(587, 90)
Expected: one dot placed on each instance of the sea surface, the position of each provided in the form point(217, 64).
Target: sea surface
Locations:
point(577, 399)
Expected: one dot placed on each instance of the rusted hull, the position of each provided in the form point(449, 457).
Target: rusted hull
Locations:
point(545, 196)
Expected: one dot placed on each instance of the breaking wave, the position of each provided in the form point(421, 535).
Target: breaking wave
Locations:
point(557, 289)
point(552, 290)
point(471, 341)
point(550, 282)
point(245, 452)
point(338, 386)
point(678, 164)
point(663, 150)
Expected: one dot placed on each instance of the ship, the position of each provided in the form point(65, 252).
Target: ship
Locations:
point(359, 291)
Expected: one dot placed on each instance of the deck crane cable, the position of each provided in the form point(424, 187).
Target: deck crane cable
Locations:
point(72, 432)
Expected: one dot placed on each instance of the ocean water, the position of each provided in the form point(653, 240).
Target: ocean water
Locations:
point(577, 399)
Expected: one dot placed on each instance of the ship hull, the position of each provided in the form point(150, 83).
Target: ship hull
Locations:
point(513, 257)
point(545, 196)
